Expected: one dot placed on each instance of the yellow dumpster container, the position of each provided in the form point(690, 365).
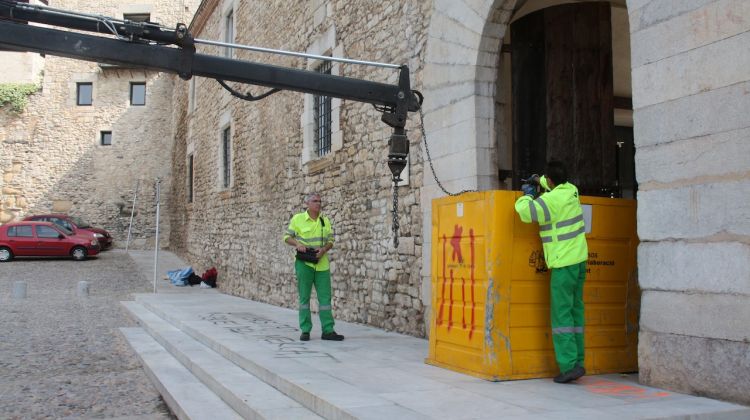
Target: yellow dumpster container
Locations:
point(490, 288)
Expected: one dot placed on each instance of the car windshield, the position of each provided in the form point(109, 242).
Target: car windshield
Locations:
point(64, 229)
point(80, 222)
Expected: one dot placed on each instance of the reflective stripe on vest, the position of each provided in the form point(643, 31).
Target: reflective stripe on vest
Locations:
point(325, 307)
point(571, 235)
point(571, 221)
point(543, 205)
point(312, 241)
point(567, 330)
point(534, 215)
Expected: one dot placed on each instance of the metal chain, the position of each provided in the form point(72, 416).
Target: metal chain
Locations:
point(429, 159)
point(395, 213)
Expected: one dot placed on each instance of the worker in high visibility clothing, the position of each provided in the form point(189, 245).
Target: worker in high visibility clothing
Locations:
point(562, 230)
point(312, 230)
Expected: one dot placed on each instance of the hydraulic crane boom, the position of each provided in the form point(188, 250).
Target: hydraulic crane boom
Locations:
point(145, 44)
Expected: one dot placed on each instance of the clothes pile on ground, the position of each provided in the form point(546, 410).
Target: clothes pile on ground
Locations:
point(180, 277)
point(186, 277)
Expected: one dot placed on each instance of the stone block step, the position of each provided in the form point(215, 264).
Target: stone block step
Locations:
point(186, 396)
point(243, 392)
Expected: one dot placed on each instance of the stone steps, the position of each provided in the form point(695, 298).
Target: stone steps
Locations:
point(248, 396)
point(186, 395)
point(249, 354)
point(304, 383)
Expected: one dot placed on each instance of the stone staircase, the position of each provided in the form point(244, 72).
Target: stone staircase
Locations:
point(214, 356)
point(208, 369)
point(197, 381)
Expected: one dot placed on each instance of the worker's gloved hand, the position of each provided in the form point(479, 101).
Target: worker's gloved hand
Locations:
point(529, 189)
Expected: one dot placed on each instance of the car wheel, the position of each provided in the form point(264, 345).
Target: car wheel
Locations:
point(78, 253)
point(5, 254)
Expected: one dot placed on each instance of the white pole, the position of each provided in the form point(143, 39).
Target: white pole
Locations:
point(132, 212)
point(156, 246)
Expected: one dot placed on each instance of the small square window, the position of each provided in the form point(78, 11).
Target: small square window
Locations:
point(137, 17)
point(84, 93)
point(106, 138)
point(137, 93)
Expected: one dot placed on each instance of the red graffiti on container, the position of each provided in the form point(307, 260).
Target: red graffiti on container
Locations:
point(442, 294)
point(471, 242)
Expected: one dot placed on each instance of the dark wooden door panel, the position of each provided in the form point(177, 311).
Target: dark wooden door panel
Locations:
point(562, 94)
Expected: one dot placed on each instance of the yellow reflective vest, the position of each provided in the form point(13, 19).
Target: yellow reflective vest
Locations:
point(561, 225)
point(311, 233)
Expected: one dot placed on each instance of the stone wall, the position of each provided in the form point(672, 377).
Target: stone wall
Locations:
point(239, 229)
point(50, 155)
point(692, 133)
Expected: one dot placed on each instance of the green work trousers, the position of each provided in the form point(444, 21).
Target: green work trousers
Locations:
point(306, 278)
point(566, 291)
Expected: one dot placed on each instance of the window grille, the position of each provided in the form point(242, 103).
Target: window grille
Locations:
point(322, 115)
point(190, 179)
point(226, 148)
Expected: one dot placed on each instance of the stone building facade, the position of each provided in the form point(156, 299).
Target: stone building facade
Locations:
point(238, 228)
point(51, 155)
point(680, 67)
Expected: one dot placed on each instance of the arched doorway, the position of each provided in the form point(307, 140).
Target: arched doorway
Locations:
point(469, 114)
point(567, 74)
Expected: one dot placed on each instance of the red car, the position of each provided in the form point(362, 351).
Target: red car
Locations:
point(77, 225)
point(44, 239)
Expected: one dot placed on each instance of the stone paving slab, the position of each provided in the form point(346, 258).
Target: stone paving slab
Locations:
point(377, 374)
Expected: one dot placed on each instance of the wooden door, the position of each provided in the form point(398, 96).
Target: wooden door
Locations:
point(562, 95)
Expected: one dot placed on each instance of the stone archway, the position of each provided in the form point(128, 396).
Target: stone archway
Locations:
point(460, 77)
point(466, 114)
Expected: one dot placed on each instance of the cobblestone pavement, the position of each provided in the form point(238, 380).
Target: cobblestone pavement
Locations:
point(62, 356)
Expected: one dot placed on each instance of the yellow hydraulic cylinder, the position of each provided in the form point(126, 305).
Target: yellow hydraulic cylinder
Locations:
point(490, 288)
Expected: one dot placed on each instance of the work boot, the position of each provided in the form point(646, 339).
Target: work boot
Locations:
point(305, 336)
point(332, 336)
point(570, 375)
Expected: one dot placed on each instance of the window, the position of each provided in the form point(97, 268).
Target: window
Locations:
point(137, 93)
point(191, 95)
point(46, 232)
point(137, 17)
point(322, 116)
point(106, 138)
point(84, 93)
point(226, 157)
point(190, 178)
point(320, 120)
point(229, 32)
point(23, 231)
point(63, 224)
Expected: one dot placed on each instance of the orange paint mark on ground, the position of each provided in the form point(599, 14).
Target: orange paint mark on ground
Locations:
point(619, 390)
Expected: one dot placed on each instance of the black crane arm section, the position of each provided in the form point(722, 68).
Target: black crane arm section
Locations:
point(150, 46)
